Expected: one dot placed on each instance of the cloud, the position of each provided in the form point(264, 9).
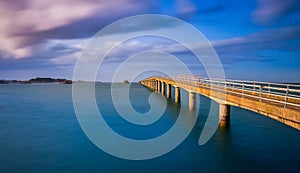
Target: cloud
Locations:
point(185, 7)
point(253, 47)
point(27, 22)
point(49, 54)
point(268, 11)
point(20, 21)
point(250, 47)
point(64, 60)
point(262, 38)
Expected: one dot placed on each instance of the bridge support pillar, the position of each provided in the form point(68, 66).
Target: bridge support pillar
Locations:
point(224, 115)
point(153, 85)
point(158, 86)
point(177, 94)
point(192, 100)
point(163, 88)
point(168, 91)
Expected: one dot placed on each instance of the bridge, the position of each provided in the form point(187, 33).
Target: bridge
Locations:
point(275, 100)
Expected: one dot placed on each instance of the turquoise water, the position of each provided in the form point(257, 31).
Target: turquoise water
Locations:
point(39, 132)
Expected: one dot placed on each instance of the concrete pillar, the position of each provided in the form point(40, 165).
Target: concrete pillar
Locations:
point(224, 115)
point(163, 88)
point(177, 94)
point(158, 86)
point(192, 100)
point(168, 91)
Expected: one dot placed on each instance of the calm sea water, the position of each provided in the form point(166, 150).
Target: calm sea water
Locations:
point(39, 132)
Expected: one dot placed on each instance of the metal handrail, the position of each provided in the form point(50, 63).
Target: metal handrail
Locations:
point(285, 92)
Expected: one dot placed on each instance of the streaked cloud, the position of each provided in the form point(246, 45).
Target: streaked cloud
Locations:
point(268, 11)
point(29, 22)
point(262, 38)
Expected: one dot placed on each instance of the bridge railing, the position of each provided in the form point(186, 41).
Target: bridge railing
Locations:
point(278, 93)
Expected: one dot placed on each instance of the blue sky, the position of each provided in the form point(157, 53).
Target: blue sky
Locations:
point(255, 39)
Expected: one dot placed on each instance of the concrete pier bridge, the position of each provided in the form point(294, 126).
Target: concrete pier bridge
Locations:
point(275, 100)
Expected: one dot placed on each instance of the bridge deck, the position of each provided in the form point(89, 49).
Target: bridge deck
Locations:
point(278, 101)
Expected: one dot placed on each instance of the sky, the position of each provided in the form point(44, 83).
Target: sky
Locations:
point(254, 39)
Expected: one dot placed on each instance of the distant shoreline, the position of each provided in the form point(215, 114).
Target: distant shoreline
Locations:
point(55, 80)
point(37, 80)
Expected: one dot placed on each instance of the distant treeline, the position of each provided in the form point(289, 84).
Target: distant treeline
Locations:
point(46, 80)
